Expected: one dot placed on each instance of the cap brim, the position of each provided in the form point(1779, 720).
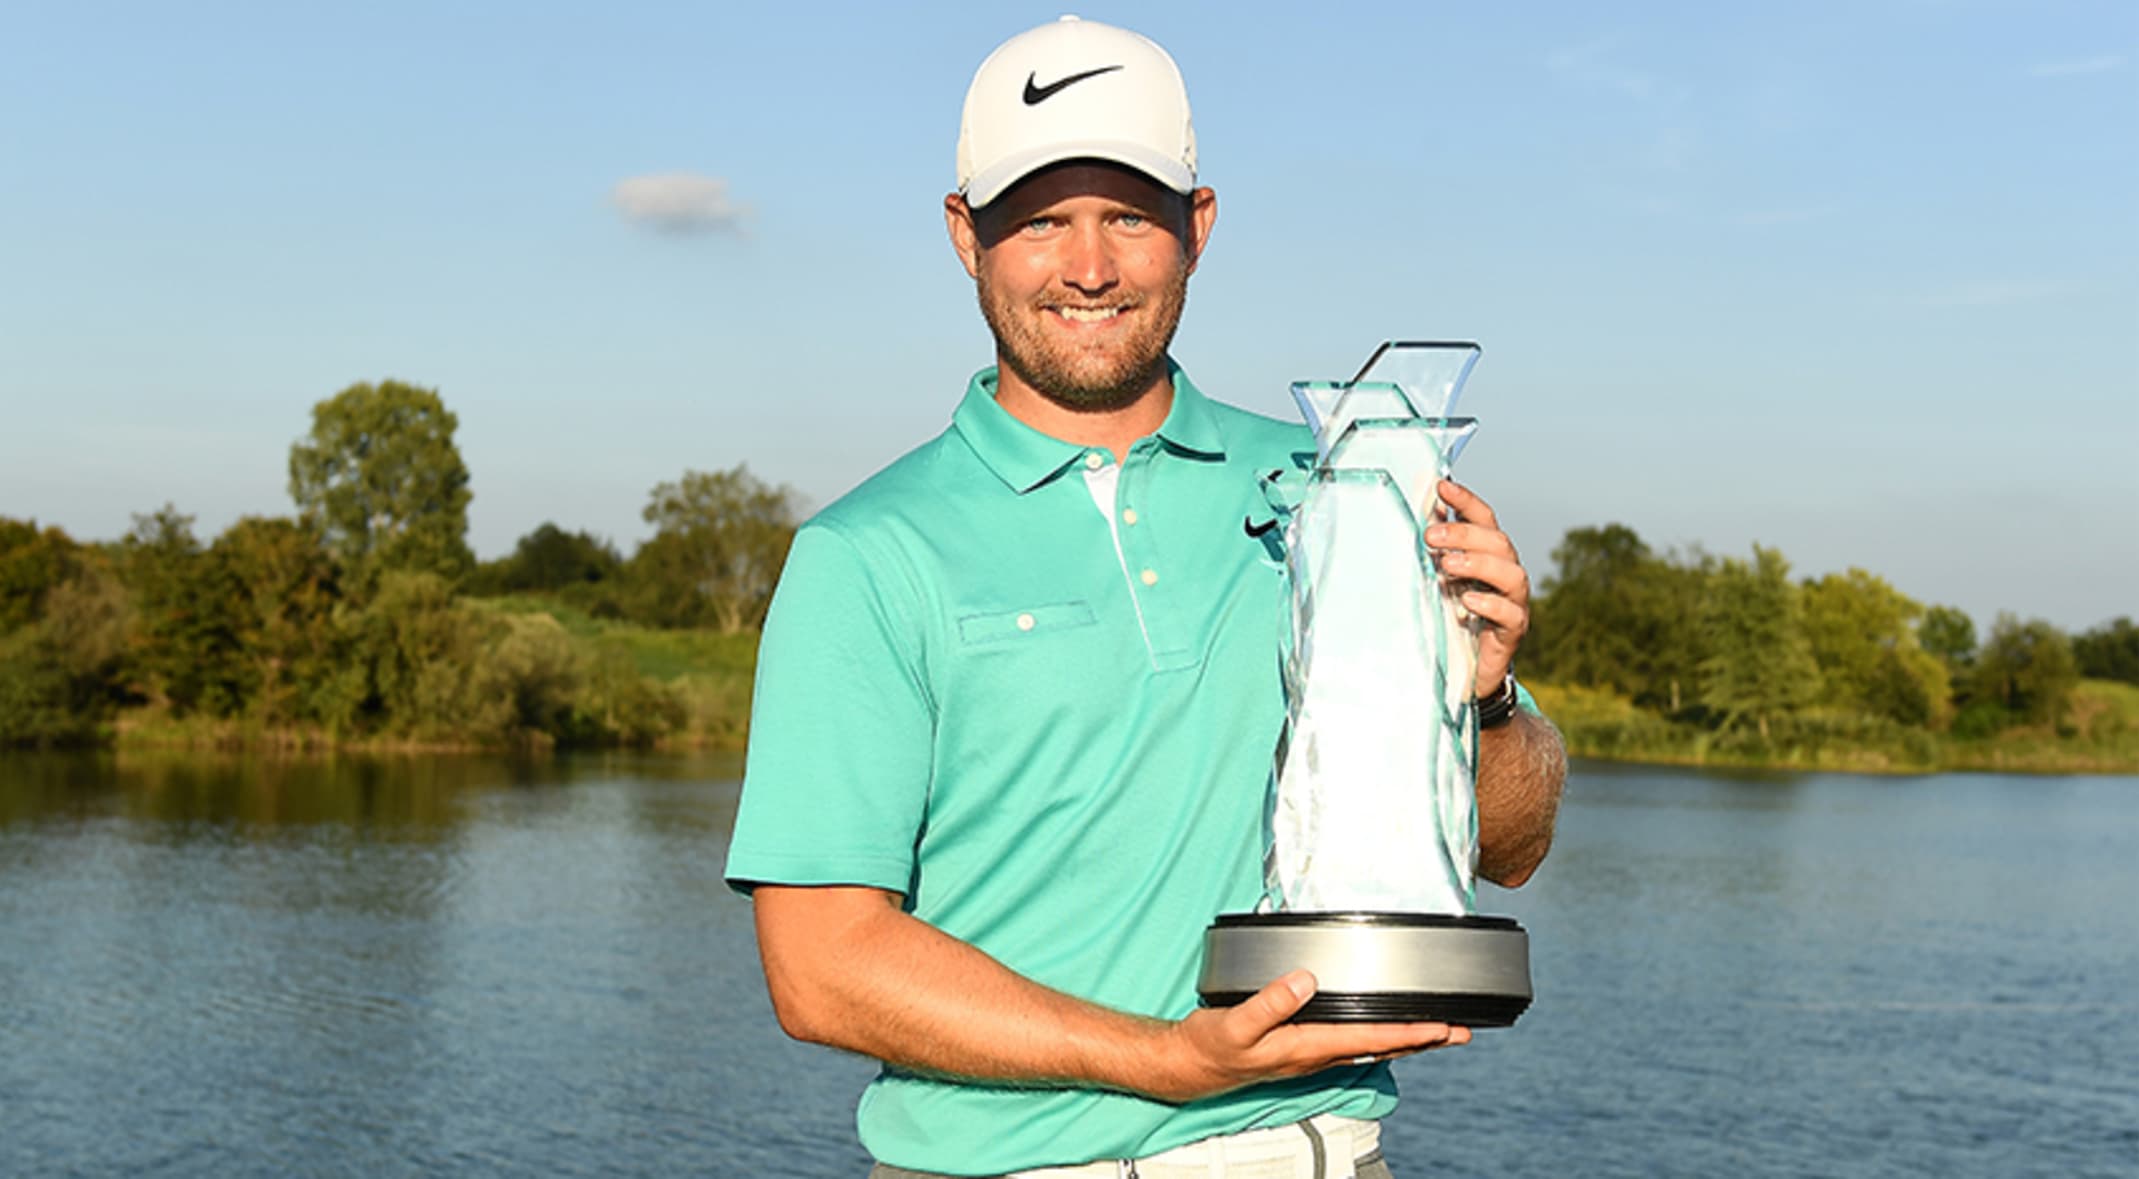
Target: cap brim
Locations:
point(992, 182)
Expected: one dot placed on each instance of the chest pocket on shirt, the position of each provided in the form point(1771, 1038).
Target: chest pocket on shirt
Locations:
point(1009, 628)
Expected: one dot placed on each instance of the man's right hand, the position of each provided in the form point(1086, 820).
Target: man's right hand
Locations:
point(1216, 1049)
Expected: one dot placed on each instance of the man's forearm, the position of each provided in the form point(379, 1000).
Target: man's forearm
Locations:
point(848, 968)
point(1521, 767)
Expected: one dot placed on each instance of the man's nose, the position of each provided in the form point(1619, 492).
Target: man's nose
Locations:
point(1088, 260)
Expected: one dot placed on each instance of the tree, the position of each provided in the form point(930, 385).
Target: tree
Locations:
point(2028, 668)
point(1590, 624)
point(2109, 651)
point(409, 661)
point(549, 559)
point(1951, 635)
point(61, 676)
point(31, 564)
point(185, 650)
point(282, 596)
point(382, 482)
point(1862, 635)
point(1759, 664)
point(1617, 616)
point(719, 541)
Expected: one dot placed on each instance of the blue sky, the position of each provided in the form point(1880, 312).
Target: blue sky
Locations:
point(1856, 280)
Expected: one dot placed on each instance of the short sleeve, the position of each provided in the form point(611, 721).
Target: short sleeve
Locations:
point(836, 781)
point(1525, 701)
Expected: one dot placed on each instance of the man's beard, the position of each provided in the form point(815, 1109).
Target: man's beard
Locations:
point(1087, 382)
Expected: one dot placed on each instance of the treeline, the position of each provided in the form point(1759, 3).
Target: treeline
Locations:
point(363, 617)
point(1696, 656)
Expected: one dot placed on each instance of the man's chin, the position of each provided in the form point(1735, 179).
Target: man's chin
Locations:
point(1093, 396)
point(1088, 401)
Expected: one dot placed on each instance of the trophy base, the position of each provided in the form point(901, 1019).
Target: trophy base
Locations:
point(1375, 967)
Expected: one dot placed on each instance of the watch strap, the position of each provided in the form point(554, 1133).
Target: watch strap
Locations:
point(1499, 708)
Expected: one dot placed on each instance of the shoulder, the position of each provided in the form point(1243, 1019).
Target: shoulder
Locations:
point(901, 495)
point(873, 542)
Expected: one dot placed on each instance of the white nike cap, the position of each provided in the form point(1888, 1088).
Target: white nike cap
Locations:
point(1074, 89)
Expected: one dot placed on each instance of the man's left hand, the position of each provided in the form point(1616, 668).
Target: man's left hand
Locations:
point(1472, 548)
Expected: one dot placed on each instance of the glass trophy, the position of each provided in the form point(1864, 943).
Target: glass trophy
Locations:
point(1371, 822)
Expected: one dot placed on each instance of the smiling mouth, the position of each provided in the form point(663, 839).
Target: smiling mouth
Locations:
point(1088, 314)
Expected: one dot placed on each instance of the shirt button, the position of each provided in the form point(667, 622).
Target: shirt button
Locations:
point(1025, 622)
point(1128, 515)
point(1093, 460)
point(1151, 577)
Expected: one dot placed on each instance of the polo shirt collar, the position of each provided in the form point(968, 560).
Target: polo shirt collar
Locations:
point(1190, 425)
point(1024, 458)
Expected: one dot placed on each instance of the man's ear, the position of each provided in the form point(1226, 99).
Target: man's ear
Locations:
point(958, 219)
point(1202, 214)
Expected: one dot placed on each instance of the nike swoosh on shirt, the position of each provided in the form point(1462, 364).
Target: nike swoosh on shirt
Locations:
point(1257, 530)
point(1035, 95)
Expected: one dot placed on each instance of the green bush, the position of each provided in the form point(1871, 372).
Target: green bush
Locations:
point(62, 677)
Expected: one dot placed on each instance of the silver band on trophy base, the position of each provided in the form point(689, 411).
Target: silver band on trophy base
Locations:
point(1375, 967)
point(1371, 819)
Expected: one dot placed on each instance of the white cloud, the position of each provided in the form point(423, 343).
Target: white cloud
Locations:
point(679, 202)
point(2078, 66)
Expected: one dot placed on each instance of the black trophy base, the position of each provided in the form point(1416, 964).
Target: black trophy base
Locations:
point(1375, 967)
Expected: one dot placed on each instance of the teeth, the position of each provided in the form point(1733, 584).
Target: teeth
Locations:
point(1087, 314)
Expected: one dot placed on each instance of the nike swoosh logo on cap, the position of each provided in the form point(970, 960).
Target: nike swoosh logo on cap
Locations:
point(1035, 95)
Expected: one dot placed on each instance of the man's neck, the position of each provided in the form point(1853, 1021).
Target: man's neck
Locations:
point(1114, 429)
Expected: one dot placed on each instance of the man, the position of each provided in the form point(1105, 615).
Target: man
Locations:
point(1017, 699)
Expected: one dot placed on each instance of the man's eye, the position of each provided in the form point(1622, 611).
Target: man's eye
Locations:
point(1133, 220)
point(1039, 225)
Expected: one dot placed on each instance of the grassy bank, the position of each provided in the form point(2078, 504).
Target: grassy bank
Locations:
point(2099, 735)
point(608, 683)
point(707, 672)
point(690, 690)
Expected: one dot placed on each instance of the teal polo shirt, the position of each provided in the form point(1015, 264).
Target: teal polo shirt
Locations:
point(1051, 732)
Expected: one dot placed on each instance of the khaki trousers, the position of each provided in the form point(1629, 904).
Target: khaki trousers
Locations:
point(1323, 1147)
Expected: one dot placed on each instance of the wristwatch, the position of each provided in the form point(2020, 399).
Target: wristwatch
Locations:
point(1499, 708)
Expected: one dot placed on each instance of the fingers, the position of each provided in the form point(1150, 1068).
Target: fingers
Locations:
point(1456, 1035)
point(1321, 1046)
point(1476, 532)
point(1476, 549)
point(1470, 538)
point(1467, 506)
point(1260, 1020)
point(1219, 1049)
point(1481, 561)
point(1502, 575)
point(1269, 1008)
point(1505, 619)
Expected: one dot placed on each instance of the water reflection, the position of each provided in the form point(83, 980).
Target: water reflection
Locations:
point(441, 966)
point(385, 965)
point(414, 797)
point(175, 794)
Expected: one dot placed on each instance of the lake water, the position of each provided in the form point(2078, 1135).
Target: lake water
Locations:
point(476, 967)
